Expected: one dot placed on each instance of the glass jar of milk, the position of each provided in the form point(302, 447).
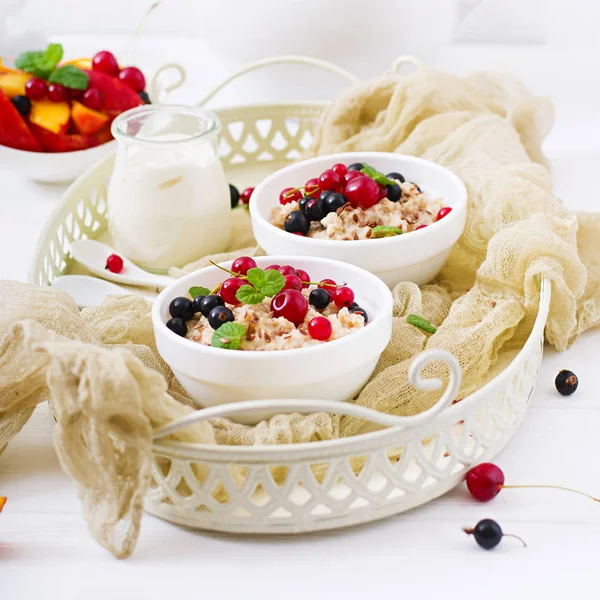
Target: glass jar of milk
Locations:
point(168, 199)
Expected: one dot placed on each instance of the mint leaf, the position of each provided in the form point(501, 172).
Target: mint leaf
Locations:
point(71, 77)
point(53, 54)
point(382, 231)
point(28, 61)
point(268, 283)
point(376, 175)
point(196, 291)
point(228, 336)
point(38, 63)
point(256, 276)
point(421, 323)
point(249, 295)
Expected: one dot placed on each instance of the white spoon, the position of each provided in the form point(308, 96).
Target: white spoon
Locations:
point(92, 255)
point(89, 291)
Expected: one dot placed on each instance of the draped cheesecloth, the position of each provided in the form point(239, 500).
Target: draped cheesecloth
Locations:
point(109, 388)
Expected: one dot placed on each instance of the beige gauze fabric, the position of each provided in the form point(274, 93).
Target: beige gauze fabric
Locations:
point(109, 387)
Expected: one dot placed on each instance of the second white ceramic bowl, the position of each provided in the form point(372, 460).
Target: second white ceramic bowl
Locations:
point(335, 370)
point(417, 256)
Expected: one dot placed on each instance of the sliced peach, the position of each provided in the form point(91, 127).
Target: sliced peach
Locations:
point(86, 120)
point(14, 132)
point(82, 63)
point(53, 116)
point(5, 69)
point(13, 84)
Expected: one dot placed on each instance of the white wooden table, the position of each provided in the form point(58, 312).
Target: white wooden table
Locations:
point(46, 552)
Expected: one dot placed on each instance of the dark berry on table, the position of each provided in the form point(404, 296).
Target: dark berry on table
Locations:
point(92, 98)
point(296, 222)
point(57, 92)
point(485, 481)
point(319, 328)
point(315, 209)
point(246, 194)
point(287, 270)
point(209, 302)
point(397, 176)
point(356, 167)
point(182, 308)
point(36, 89)
point(566, 382)
point(234, 195)
point(319, 298)
point(343, 297)
point(312, 188)
point(219, 315)
point(22, 104)
point(303, 276)
point(114, 263)
point(443, 212)
point(229, 289)
point(394, 192)
point(177, 326)
point(340, 169)
point(302, 203)
point(144, 97)
point(334, 201)
point(329, 285)
point(289, 195)
point(487, 533)
point(292, 282)
point(197, 303)
point(351, 175)
point(362, 191)
point(358, 310)
point(105, 62)
point(242, 265)
point(330, 180)
point(134, 78)
point(291, 305)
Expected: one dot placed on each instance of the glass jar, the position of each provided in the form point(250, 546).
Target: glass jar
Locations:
point(168, 199)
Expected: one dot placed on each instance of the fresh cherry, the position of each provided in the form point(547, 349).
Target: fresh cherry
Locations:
point(362, 191)
point(182, 308)
point(242, 265)
point(114, 263)
point(273, 268)
point(382, 191)
point(352, 175)
point(36, 89)
point(303, 276)
point(343, 296)
point(319, 328)
point(105, 62)
point(421, 226)
point(329, 285)
point(134, 78)
point(443, 212)
point(287, 270)
point(330, 180)
point(291, 305)
point(340, 169)
point(92, 98)
point(289, 195)
point(245, 195)
point(488, 534)
point(292, 282)
point(229, 288)
point(57, 92)
point(311, 188)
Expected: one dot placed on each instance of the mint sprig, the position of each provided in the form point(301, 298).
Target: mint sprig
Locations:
point(198, 290)
point(249, 295)
point(421, 323)
point(263, 284)
point(376, 175)
point(71, 77)
point(228, 336)
point(382, 231)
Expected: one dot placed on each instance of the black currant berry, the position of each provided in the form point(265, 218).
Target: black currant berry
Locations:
point(397, 176)
point(334, 201)
point(394, 192)
point(234, 194)
point(209, 302)
point(315, 209)
point(302, 203)
point(356, 167)
point(177, 326)
point(324, 195)
point(196, 303)
point(488, 534)
point(296, 222)
point(22, 104)
point(182, 308)
point(418, 188)
point(319, 298)
point(359, 311)
point(145, 98)
point(219, 315)
point(566, 382)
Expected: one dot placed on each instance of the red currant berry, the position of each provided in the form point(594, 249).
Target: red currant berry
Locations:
point(292, 282)
point(340, 169)
point(36, 89)
point(352, 175)
point(229, 288)
point(105, 62)
point(362, 191)
point(382, 191)
point(320, 328)
point(311, 188)
point(57, 92)
point(273, 268)
point(114, 263)
point(245, 195)
point(485, 481)
point(421, 226)
point(330, 180)
point(291, 305)
point(298, 233)
point(287, 270)
point(242, 265)
point(443, 212)
point(92, 98)
point(343, 296)
point(134, 78)
point(303, 276)
point(329, 285)
point(289, 195)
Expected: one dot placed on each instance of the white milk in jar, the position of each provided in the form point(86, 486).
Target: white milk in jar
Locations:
point(168, 200)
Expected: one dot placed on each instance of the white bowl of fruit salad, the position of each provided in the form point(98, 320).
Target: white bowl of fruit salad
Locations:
point(282, 327)
point(396, 216)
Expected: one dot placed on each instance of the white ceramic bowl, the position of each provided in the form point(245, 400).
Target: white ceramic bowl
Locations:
point(417, 256)
point(334, 370)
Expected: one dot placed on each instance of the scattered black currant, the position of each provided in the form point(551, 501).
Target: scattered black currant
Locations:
point(296, 222)
point(196, 302)
point(394, 192)
point(319, 298)
point(145, 98)
point(359, 311)
point(315, 209)
point(334, 201)
point(182, 308)
point(177, 326)
point(22, 104)
point(488, 534)
point(356, 167)
point(209, 302)
point(396, 176)
point(219, 315)
point(566, 382)
point(235, 195)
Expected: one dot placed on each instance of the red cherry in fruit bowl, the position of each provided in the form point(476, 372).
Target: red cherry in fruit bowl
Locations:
point(36, 89)
point(350, 175)
point(229, 289)
point(114, 263)
point(311, 188)
point(343, 297)
point(303, 276)
point(273, 268)
point(134, 78)
point(287, 270)
point(57, 92)
point(445, 210)
point(320, 328)
point(242, 265)
point(382, 191)
point(340, 169)
point(291, 305)
point(92, 98)
point(421, 226)
point(329, 285)
point(105, 62)
point(330, 180)
point(289, 195)
point(362, 191)
point(292, 282)
point(246, 194)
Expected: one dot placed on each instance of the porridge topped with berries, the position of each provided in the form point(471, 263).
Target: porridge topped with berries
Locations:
point(356, 203)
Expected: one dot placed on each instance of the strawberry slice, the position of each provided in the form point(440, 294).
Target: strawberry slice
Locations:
point(14, 132)
point(62, 142)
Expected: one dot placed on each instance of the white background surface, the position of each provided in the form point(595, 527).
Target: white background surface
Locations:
point(46, 553)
